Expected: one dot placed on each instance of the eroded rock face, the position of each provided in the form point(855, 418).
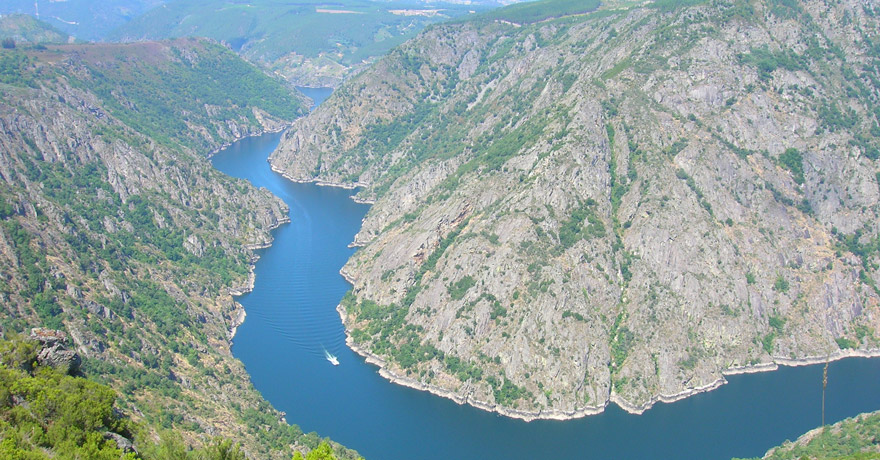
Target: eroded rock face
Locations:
point(59, 357)
point(614, 207)
point(54, 352)
point(48, 337)
point(122, 443)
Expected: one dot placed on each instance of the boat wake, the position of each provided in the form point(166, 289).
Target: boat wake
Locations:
point(330, 357)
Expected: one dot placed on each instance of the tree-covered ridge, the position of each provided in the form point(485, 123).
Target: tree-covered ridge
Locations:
point(164, 90)
point(856, 438)
point(626, 202)
point(132, 244)
point(532, 12)
point(190, 92)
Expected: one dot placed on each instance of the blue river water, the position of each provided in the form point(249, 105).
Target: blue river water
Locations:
point(317, 95)
point(291, 321)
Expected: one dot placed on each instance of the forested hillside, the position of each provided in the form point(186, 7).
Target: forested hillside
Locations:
point(115, 228)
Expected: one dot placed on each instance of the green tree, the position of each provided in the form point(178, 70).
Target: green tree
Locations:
point(322, 452)
point(222, 450)
point(793, 161)
point(781, 284)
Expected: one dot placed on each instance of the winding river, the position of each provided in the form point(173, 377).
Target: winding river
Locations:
point(291, 321)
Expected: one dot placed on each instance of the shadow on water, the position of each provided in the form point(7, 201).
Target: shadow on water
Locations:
point(291, 316)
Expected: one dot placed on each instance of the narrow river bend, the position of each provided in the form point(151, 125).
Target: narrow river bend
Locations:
point(291, 320)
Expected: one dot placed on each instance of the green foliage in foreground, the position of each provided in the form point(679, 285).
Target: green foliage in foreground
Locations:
point(322, 452)
point(851, 439)
point(60, 414)
point(47, 414)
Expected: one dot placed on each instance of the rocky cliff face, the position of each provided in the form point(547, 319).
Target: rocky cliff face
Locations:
point(622, 205)
point(116, 228)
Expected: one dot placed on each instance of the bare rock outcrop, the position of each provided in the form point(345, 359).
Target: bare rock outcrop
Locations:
point(53, 351)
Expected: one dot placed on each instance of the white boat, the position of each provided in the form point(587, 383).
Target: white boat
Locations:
point(333, 360)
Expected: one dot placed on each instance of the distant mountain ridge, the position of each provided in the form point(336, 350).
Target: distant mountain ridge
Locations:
point(620, 205)
point(309, 43)
point(87, 20)
point(24, 28)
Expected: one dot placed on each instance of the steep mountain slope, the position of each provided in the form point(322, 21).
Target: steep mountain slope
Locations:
point(115, 227)
point(574, 208)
